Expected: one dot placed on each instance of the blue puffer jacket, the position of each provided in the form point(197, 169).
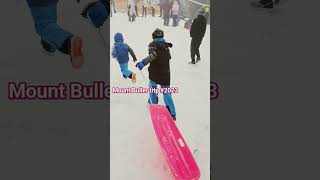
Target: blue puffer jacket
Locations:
point(120, 49)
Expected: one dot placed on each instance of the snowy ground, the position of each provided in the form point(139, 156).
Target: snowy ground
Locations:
point(135, 152)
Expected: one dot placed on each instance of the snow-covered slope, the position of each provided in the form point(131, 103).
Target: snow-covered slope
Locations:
point(135, 152)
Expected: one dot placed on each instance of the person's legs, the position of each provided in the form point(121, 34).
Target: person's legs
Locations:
point(114, 6)
point(125, 71)
point(167, 97)
point(45, 20)
point(142, 11)
point(263, 3)
point(193, 50)
point(129, 16)
point(165, 19)
point(197, 46)
point(136, 9)
point(145, 11)
point(153, 98)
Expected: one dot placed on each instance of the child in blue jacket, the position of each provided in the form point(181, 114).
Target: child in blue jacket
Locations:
point(121, 51)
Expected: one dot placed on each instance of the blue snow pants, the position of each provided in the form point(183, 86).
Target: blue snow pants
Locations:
point(45, 20)
point(167, 97)
point(124, 69)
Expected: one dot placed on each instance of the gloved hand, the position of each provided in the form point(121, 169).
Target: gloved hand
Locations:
point(97, 12)
point(140, 65)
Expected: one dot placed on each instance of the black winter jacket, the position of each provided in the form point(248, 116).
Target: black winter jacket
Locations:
point(198, 27)
point(159, 59)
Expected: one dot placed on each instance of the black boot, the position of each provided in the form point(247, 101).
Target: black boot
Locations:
point(173, 116)
point(198, 59)
point(47, 47)
point(192, 62)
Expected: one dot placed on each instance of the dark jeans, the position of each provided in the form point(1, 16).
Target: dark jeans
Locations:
point(166, 18)
point(195, 44)
point(175, 20)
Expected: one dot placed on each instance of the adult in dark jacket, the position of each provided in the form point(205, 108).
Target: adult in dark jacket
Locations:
point(197, 31)
point(159, 69)
point(167, 6)
point(53, 37)
point(161, 3)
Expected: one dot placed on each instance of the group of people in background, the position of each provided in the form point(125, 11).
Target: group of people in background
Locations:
point(167, 9)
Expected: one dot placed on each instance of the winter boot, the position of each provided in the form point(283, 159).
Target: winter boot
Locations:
point(134, 77)
point(47, 49)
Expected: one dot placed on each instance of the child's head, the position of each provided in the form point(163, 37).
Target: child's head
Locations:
point(158, 33)
point(118, 37)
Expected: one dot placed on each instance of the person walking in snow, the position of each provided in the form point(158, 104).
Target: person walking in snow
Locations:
point(131, 11)
point(136, 2)
point(159, 69)
point(197, 32)
point(121, 52)
point(154, 4)
point(175, 13)
point(166, 12)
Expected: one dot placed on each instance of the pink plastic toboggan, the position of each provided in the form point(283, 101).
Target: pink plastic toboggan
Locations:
point(176, 151)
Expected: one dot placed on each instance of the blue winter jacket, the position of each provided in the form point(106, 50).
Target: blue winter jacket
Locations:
point(48, 2)
point(120, 50)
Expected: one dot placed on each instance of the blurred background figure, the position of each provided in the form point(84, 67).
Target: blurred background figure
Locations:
point(136, 2)
point(161, 3)
point(145, 5)
point(54, 37)
point(265, 3)
point(175, 13)
point(166, 12)
point(131, 10)
point(154, 5)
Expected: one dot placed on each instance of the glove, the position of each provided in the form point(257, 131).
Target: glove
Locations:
point(169, 45)
point(140, 65)
point(96, 12)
